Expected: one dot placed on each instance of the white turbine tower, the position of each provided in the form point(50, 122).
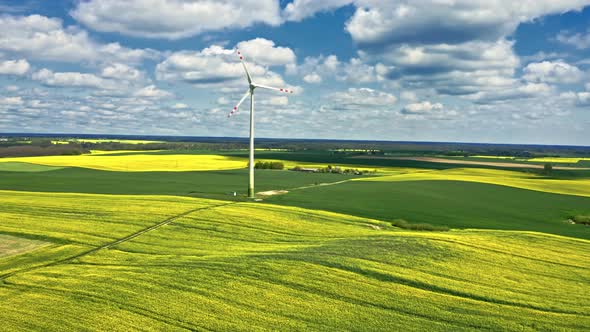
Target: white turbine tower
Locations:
point(251, 87)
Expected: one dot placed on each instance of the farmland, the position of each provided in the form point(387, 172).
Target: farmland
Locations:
point(209, 184)
point(563, 185)
point(456, 204)
point(157, 241)
point(220, 266)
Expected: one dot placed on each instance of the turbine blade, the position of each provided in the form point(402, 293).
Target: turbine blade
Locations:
point(271, 88)
point(235, 110)
point(245, 68)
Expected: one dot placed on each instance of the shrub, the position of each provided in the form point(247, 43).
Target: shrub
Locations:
point(401, 223)
point(277, 165)
point(269, 165)
point(548, 168)
point(584, 220)
point(74, 152)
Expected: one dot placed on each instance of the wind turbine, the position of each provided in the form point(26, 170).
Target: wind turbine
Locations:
point(251, 87)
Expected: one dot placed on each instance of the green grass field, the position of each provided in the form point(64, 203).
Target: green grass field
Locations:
point(245, 266)
point(211, 184)
point(456, 204)
point(97, 249)
point(7, 166)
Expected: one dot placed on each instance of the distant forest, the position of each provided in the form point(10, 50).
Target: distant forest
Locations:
point(19, 145)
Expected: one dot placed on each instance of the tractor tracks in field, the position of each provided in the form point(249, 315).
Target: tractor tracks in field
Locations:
point(323, 184)
point(115, 242)
point(276, 192)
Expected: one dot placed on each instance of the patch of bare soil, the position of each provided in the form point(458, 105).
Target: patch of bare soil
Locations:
point(272, 192)
point(374, 226)
point(12, 245)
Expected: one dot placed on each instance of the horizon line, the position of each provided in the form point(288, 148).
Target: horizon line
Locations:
point(17, 134)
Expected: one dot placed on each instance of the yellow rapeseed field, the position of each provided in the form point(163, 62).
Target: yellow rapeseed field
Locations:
point(139, 162)
point(248, 266)
point(558, 160)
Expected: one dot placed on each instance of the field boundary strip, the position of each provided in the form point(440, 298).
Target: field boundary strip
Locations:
point(115, 242)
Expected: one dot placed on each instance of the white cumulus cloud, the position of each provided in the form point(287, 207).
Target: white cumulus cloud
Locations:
point(120, 71)
point(451, 22)
point(312, 78)
point(174, 19)
point(457, 47)
point(14, 67)
point(265, 52)
point(428, 110)
point(552, 72)
point(70, 79)
point(11, 101)
point(523, 91)
point(44, 38)
point(151, 91)
point(421, 108)
point(578, 40)
point(275, 101)
point(179, 106)
point(301, 9)
point(314, 69)
point(217, 67)
point(362, 98)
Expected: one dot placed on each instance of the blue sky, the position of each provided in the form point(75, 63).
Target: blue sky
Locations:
point(464, 70)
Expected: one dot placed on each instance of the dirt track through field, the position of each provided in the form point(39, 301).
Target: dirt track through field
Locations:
point(116, 242)
point(465, 162)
